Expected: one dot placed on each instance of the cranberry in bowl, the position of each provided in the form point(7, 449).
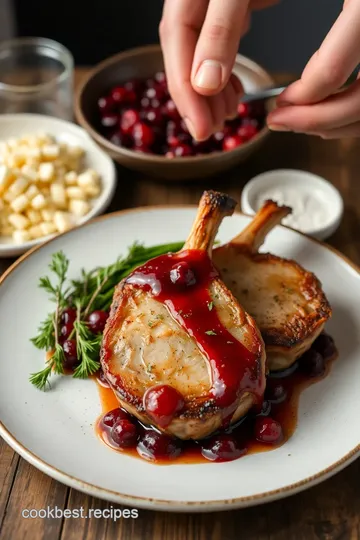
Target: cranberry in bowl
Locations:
point(124, 104)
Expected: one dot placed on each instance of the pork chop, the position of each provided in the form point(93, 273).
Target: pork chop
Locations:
point(173, 323)
point(286, 301)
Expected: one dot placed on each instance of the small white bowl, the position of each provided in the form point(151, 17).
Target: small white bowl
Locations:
point(16, 125)
point(317, 205)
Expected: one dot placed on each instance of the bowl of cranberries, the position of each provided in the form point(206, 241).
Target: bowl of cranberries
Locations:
point(125, 105)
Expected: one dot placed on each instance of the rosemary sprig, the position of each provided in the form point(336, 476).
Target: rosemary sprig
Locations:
point(93, 291)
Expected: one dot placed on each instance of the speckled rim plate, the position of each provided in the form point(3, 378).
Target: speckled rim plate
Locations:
point(180, 485)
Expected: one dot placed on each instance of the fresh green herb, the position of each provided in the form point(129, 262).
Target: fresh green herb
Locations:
point(151, 324)
point(211, 333)
point(149, 368)
point(92, 291)
point(210, 306)
point(289, 291)
point(160, 317)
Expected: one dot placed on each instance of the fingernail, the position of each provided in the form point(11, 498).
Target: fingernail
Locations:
point(190, 127)
point(278, 127)
point(209, 75)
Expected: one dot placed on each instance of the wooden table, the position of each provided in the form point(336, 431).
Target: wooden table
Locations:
point(330, 511)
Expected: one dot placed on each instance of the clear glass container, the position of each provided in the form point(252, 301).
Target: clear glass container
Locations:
point(36, 76)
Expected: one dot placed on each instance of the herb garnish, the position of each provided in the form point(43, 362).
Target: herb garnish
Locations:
point(211, 333)
point(93, 291)
point(210, 305)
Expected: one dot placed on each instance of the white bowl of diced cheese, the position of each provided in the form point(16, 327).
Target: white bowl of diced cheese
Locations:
point(53, 177)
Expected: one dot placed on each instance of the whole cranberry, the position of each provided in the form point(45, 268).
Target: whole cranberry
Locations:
point(181, 150)
point(182, 274)
point(312, 363)
point(257, 108)
point(243, 109)
point(124, 433)
point(162, 403)
point(201, 147)
point(111, 417)
point(135, 85)
point(268, 430)
point(109, 120)
point(145, 103)
point(174, 140)
point(171, 111)
point(231, 142)
point(155, 92)
point(128, 120)
point(153, 116)
point(97, 321)
point(106, 104)
point(121, 139)
point(325, 345)
point(68, 315)
point(222, 448)
point(66, 329)
point(153, 445)
point(174, 127)
point(247, 132)
point(275, 392)
point(143, 135)
point(122, 95)
point(160, 78)
point(70, 353)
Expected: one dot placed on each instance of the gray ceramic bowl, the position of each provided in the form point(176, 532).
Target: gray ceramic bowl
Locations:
point(143, 62)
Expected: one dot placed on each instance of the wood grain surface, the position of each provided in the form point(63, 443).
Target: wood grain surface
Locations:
point(330, 511)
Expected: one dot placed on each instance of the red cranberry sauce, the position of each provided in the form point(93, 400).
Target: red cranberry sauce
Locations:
point(181, 281)
point(256, 432)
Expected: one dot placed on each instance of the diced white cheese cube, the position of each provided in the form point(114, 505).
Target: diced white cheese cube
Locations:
point(63, 221)
point(21, 236)
point(88, 178)
point(19, 186)
point(46, 171)
point(34, 216)
point(74, 192)
point(92, 191)
point(39, 202)
point(48, 214)
point(20, 203)
point(35, 232)
point(30, 173)
point(47, 228)
point(58, 195)
point(71, 178)
point(18, 221)
point(32, 191)
point(33, 153)
point(50, 151)
point(79, 207)
point(75, 152)
point(5, 175)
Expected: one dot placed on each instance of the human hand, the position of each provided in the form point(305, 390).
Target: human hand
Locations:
point(313, 104)
point(200, 40)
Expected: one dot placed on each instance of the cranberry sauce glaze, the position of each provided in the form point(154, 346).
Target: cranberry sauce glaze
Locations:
point(182, 282)
point(258, 431)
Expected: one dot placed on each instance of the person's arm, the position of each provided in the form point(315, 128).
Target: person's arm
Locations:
point(200, 39)
point(312, 104)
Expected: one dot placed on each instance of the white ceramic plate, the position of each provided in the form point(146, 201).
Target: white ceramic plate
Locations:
point(54, 430)
point(16, 125)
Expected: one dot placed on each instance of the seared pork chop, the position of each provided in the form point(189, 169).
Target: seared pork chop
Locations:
point(175, 327)
point(286, 301)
